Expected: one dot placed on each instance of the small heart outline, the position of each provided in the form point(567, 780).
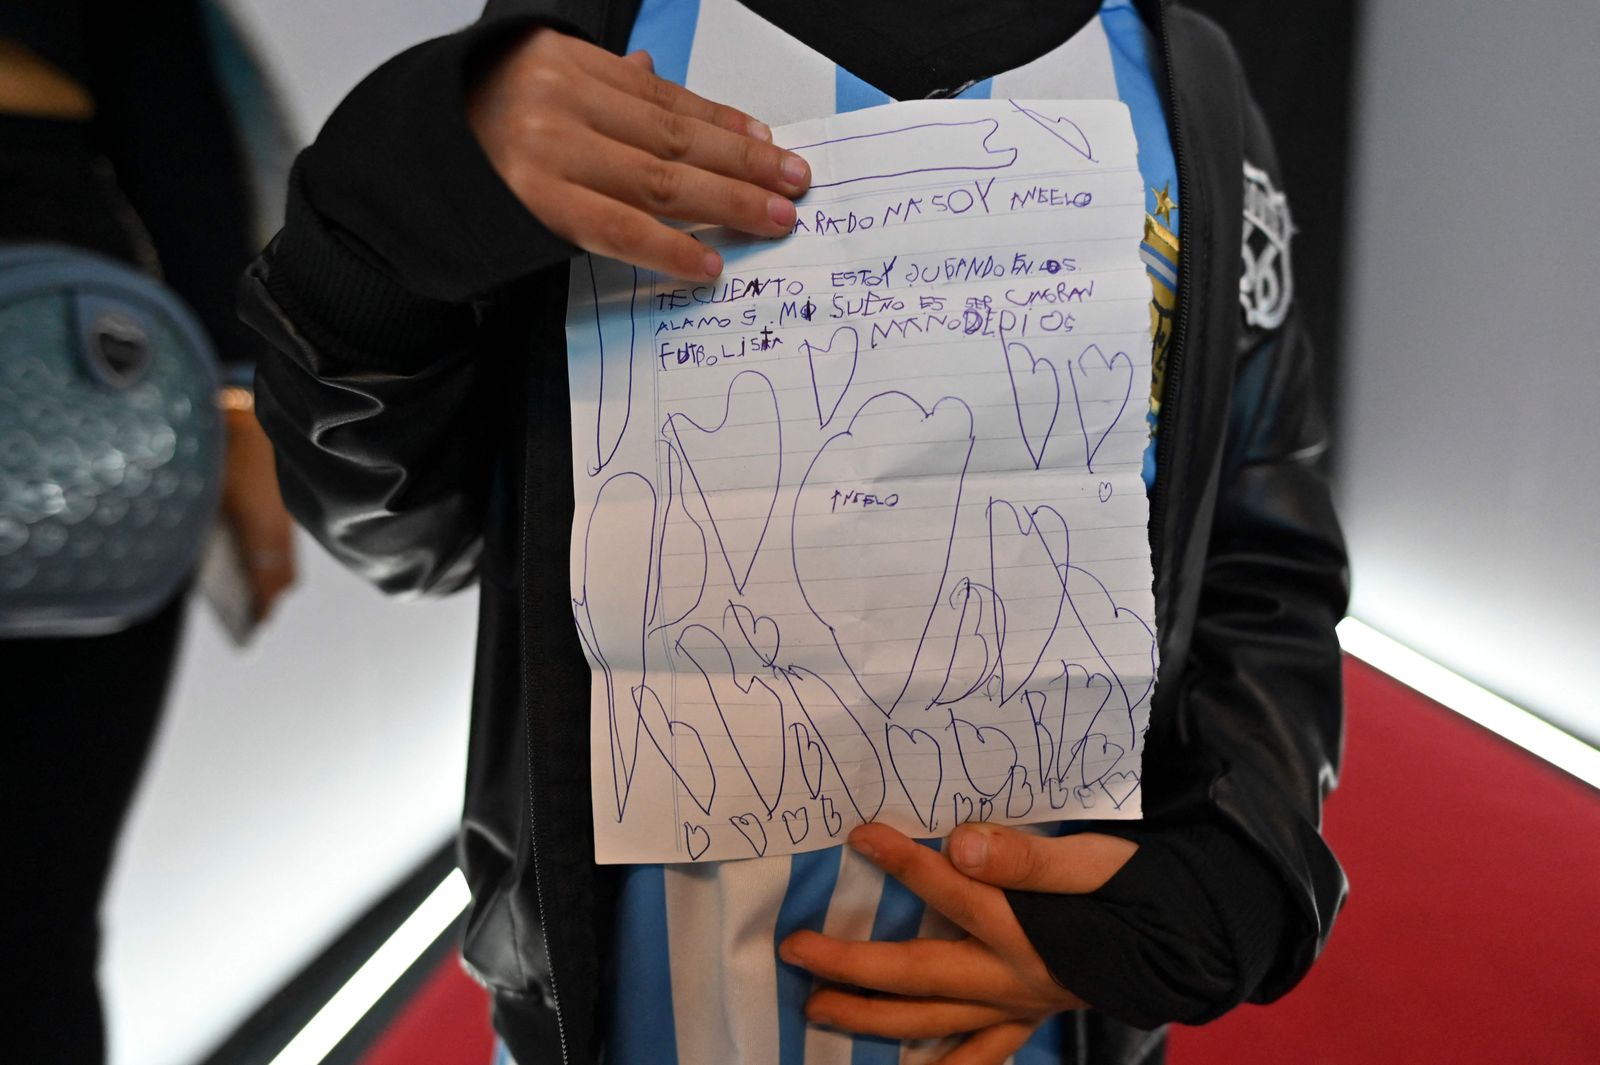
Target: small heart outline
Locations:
point(744, 822)
point(804, 745)
point(831, 818)
point(890, 732)
point(1075, 369)
point(749, 624)
point(1036, 455)
point(812, 351)
point(690, 833)
point(1126, 783)
point(801, 815)
point(1012, 811)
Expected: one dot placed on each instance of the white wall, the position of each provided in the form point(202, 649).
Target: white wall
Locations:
point(319, 50)
point(294, 783)
point(1471, 456)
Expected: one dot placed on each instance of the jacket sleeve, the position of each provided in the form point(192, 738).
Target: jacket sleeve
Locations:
point(1264, 697)
point(384, 462)
point(1261, 704)
point(378, 391)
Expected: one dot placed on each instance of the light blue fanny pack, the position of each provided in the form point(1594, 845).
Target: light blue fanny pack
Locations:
point(110, 443)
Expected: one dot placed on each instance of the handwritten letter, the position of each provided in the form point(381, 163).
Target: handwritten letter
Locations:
point(860, 529)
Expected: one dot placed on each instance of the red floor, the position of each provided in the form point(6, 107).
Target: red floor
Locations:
point(447, 1024)
point(1472, 936)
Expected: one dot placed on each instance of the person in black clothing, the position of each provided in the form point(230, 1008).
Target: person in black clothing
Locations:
point(114, 138)
point(417, 401)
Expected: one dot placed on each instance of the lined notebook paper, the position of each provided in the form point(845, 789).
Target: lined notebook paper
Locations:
point(860, 529)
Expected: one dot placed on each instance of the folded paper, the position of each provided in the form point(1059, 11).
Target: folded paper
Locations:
point(860, 532)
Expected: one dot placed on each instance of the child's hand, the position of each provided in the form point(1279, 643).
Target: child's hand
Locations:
point(254, 511)
point(992, 983)
point(597, 146)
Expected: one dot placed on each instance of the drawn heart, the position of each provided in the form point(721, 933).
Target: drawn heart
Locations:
point(618, 558)
point(695, 840)
point(1098, 389)
point(1096, 756)
point(850, 751)
point(985, 808)
point(1027, 549)
point(973, 647)
point(832, 369)
point(1120, 786)
point(689, 760)
point(830, 817)
point(797, 823)
point(1038, 704)
point(741, 719)
point(683, 560)
point(1094, 607)
point(1086, 797)
point(1019, 794)
point(986, 753)
point(918, 766)
point(848, 561)
point(1076, 701)
point(962, 807)
point(1036, 396)
point(760, 632)
point(1057, 791)
point(614, 359)
point(810, 752)
point(734, 468)
point(750, 828)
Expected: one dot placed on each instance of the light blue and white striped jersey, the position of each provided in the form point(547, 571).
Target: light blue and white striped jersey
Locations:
point(695, 976)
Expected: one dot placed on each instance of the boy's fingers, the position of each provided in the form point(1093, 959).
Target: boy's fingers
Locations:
point(1064, 865)
point(900, 1018)
point(992, 1046)
point(682, 138)
point(642, 58)
point(675, 190)
point(979, 908)
point(637, 81)
point(961, 968)
point(601, 225)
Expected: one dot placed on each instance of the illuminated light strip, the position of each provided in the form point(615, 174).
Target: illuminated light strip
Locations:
point(1455, 692)
point(362, 991)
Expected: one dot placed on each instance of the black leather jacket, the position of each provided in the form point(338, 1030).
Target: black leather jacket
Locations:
point(434, 449)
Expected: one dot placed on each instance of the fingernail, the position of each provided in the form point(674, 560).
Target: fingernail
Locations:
point(970, 849)
point(760, 130)
point(781, 211)
point(863, 848)
point(787, 953)
point(712, 264)
point(795, 170)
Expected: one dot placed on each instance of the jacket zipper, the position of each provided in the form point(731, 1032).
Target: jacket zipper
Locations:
point(1166, 427)
point(527, 731)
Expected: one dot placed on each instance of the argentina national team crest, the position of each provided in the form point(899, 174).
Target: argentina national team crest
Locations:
point(1266, 284)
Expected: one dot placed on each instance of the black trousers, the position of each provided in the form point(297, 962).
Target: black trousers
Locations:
point(76, 715)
